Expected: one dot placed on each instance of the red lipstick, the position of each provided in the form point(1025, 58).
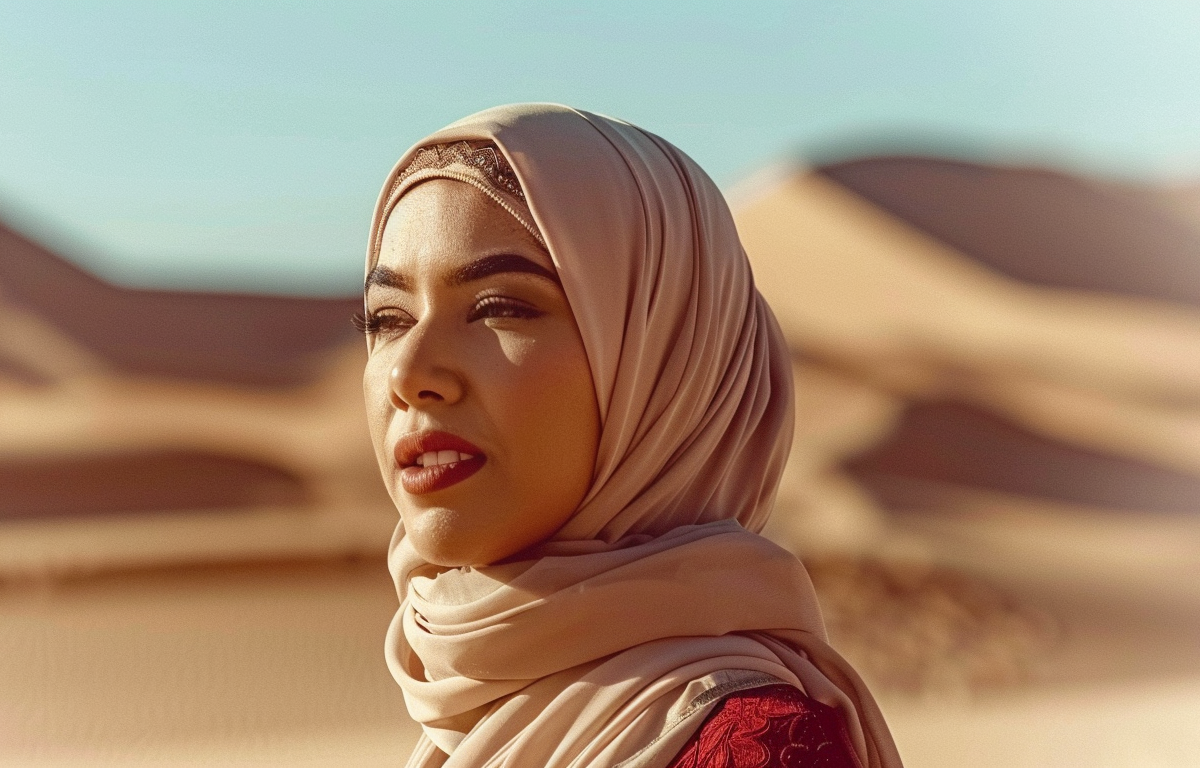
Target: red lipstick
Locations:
point(431, 461)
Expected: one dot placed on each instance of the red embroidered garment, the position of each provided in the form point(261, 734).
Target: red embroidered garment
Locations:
point(775, 726)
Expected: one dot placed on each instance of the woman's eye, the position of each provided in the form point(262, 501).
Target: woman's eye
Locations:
point(383, 322)
point(502, 306)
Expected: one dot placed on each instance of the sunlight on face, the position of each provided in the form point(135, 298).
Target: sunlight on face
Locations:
point(479, 396)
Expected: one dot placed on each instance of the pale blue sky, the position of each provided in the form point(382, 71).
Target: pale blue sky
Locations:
point(241, 144)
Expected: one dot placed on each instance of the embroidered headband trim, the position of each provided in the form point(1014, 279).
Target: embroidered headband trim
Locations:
point(482, 166)
point(486, 159)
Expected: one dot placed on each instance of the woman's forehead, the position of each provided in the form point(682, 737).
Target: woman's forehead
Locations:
point(438, 216)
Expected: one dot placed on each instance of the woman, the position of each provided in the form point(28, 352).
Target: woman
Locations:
point(581, 407)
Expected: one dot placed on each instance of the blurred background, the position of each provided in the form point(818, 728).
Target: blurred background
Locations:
point(979, 225)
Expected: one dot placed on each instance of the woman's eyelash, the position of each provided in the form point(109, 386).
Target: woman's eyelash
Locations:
point(373, 323)
point(365, 323)
point(501, 306)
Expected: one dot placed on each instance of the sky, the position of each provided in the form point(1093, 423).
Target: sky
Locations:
point(240, 146)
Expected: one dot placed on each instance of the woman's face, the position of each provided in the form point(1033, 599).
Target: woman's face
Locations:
point(479, 396)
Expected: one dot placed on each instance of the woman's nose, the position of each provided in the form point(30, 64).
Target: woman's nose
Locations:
point(421, 375)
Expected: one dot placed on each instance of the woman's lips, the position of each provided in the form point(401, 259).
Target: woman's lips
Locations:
point(431, 461)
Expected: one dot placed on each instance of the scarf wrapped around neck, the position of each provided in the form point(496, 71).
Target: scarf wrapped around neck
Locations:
point(609, 643)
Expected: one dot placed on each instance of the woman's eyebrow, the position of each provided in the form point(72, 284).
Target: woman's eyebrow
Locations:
point(501, 262)
point(388, 278)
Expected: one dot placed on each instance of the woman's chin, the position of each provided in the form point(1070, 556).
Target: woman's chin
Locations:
point(450, 551)
point(475, 529)
point(440, 538)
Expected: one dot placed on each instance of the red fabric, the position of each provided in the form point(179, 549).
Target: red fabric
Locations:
point(775, 726)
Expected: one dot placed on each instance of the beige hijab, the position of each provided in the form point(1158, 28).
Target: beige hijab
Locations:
point(657, 597)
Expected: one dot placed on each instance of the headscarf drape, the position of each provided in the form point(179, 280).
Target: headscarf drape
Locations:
point(601, 645)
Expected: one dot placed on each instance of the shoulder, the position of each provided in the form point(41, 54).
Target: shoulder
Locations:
point(771, 726)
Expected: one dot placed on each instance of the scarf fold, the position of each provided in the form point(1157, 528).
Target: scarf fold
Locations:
point(585, 651)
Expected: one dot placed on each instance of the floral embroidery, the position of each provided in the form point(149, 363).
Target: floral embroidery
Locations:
point(775, 726)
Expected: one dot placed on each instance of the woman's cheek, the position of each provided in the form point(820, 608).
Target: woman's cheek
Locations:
point(560, 384)
point(378, 405)
point(517, 350)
